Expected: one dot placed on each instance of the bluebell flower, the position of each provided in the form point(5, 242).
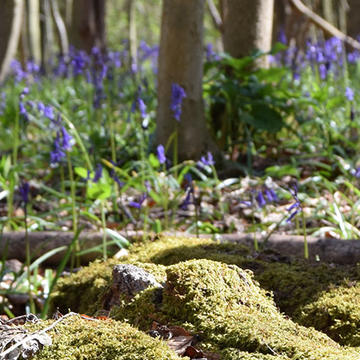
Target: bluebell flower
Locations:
point(161, 154)
point(3, 103)
point(142, 107)
point(23, 111)
point(349, 93)
point(138, 204)
point(177, 96)
point(67, 139)
point(40, 106)
point(24, 191)
point(57, 153)
point(271, 195)
point(18, 71)
point(189, 189)
point(209, 160)
point(98, 173)
point(295, 208)
point(48, 112)
point(260, 199)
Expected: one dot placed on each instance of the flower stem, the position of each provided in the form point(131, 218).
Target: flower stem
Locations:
point(306, 249)
point(73, 207)
point(103, 223)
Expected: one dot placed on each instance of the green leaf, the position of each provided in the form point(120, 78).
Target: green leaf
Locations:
point(98, 190)
point(82, 172)
point(154, 161)
point(263, 117)
point(120, 241)
point(281, 171)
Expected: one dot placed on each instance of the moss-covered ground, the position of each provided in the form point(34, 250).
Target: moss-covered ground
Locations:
point(213, 291)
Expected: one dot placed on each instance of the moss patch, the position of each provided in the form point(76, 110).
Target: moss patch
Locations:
point(294, 283)
point(337, 313)
point(76, 338)
point(208, 293)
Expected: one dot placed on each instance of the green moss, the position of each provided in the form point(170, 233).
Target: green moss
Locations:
point(82, 292)
point(225, 306)
point(337, 313)
point(219, 301)
point(235, 354)
point(294, 283)
point(76, 338)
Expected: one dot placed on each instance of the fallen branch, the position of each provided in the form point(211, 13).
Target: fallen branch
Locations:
point(325, 249)
point(323, 24)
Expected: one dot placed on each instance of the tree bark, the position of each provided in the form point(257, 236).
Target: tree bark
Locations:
point(247, 26)
point(353, 23)
point(10, 29)
point(181, 62)
point(88, 24)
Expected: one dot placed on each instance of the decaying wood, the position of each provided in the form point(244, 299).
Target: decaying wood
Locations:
point(324, 249)
point(323, 24)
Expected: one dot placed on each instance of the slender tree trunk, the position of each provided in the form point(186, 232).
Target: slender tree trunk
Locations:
point(247, 26)
point(33, 29)
point(132, 36)
point(10, 29)
point(88, 24)
point(181, 62)
point(60, 26)
point(47, 34)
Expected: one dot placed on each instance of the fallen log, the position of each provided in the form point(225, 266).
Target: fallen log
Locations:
point(12, 245)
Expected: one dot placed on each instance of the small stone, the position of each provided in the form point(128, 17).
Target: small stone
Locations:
point(128, 280)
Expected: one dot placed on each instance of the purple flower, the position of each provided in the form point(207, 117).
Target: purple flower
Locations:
point(40, 106)
point(271, 195)
point(138, 204)
point(49, 112)
point(57, 153)
point(260, 199)
point(295, 208)
point(67, 139)
point(24, 191)
point(161, 154)
point(177, 96)
point(3, 103)
point(211, 54)
point(349, 93)
point(142, 107)
point(98, 173)
point(23, 111)
point(207, 161)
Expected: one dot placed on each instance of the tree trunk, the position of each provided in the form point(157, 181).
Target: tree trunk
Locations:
point(33, 30)
point(10, 28)
point(47, 35)
point(353, 24)
point(181, 62)
point(247, 26)
point(88, 24)
point(132, 36)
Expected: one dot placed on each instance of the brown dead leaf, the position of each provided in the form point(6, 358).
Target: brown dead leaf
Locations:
point(179, 344)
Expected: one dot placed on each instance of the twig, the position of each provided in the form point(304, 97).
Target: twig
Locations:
point(323, 24)
point(35, 335)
